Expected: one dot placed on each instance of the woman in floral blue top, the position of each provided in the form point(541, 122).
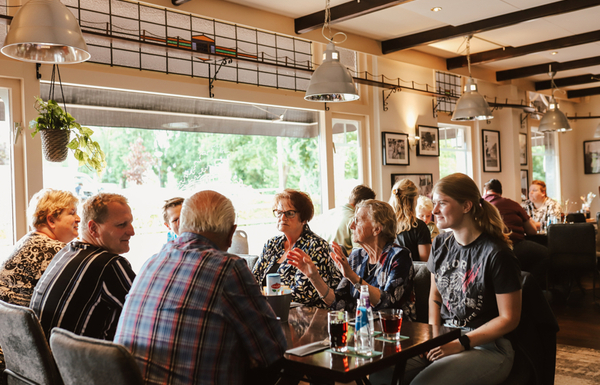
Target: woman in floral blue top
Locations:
point(381, 264)
point(293, 209)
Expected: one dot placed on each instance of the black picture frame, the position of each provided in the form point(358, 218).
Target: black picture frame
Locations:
point(424, 182)
point(396, 149)
point(429, 141)
point(524, 185)
point(523, 149)
point(490, 148)
point(591, 156)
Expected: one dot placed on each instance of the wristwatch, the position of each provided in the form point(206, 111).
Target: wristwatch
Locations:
point(358, 284)
point(465, 341)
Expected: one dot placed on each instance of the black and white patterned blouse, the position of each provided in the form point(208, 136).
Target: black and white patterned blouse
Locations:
point(549, 208)
point(302, 289)
point(21, 271)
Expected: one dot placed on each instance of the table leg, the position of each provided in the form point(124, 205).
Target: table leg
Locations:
point(399, 373)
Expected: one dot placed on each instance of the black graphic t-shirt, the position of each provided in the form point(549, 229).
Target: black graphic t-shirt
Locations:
point(469, 277)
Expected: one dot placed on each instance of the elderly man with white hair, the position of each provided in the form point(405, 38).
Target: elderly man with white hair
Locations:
point(195, 314)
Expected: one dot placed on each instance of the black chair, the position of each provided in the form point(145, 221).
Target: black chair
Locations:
point(572, 248)
point(26, 351)
point(89, 361)
point(575, 218)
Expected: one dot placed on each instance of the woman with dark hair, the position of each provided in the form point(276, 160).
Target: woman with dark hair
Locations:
point(411, 232)
point(293, 209)
point(380, 263)
point(539, 206)
point(476, 286)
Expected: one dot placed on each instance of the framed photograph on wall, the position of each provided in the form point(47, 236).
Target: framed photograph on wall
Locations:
point(424, 182)
point(591, 156)
point(395, 149)
point(524, 185)
point(490, 145)
point(523, 149)
point(428, 141)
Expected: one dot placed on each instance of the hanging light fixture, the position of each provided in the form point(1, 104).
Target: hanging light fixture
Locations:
point(45, 31)
point(554, 119)
point(331, 82)
point(471, 105)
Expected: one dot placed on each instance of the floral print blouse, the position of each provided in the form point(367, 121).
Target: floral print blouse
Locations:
point(393, 275)
point(549, 208)
point(302, 289)
point(22, 270)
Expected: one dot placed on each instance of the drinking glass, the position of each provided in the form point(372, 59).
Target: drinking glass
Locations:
point(391, 322)
point(337, 322)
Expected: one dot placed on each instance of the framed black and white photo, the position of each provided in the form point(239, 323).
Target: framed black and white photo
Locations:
point(428, 141)
point(424, 182)
point(523, 149)
point(591, 156)
point(490, 145)
point(524, 185)
point(395, 149)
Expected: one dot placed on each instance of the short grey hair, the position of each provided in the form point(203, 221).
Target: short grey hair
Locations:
point(381, 214)
point(207, 211)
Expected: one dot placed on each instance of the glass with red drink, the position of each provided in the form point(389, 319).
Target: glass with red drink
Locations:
point(391, 322)
point(337, 322)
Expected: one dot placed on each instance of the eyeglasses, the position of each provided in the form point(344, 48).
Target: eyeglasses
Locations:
point(288, 214)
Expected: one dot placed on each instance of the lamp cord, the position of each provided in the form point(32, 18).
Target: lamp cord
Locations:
point(56, 70)
point(469, 54)
point(326, 25)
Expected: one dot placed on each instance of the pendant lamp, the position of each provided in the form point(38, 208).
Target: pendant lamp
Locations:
point(45, 31)
point(331, 82)
point(554, 119)
point(471, 105)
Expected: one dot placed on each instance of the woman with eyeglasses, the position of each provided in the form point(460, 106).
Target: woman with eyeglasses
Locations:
point(293, 209)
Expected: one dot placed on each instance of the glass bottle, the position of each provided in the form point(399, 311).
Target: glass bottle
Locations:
point(363, 332)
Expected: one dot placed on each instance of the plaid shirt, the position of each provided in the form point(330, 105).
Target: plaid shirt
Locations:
point(195, 315)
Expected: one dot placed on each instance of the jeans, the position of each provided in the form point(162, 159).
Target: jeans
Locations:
point(487, 364)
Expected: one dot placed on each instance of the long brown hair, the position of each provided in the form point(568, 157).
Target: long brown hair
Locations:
point(403, 203)
point(486, 216)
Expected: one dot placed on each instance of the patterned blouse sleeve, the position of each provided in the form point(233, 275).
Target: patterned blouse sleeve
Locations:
point(554, 208)
point(396, 279)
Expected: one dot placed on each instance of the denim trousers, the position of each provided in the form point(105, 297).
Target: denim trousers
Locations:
point(487, 364)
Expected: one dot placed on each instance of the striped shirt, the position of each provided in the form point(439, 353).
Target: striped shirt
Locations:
point(195, 315)
point(83, 290)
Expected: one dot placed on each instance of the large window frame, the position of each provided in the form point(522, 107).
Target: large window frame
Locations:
point(461, 150)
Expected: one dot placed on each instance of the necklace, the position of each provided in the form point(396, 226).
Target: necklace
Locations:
point(370, 269)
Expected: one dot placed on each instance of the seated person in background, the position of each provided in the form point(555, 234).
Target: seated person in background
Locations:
point(539, 206)
point(293, 209)
point(532, 256)
point(195, 314)
point(171, 211)
point(412, 232)
point(476, 285)
point(337, 221)
point(383, 265)
point(424, 209)
point(84, 287)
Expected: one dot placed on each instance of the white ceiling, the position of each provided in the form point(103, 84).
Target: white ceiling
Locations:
point(416, 16)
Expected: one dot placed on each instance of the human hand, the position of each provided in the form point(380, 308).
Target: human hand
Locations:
point(340, 260)
point(446, 350)
point(302, 262)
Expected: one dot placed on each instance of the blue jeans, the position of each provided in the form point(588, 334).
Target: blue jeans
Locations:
point(487, 364)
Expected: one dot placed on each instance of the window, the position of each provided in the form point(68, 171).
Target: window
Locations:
point(455, 155)
point(545, 161)
point(345, 158)
point(6, 219)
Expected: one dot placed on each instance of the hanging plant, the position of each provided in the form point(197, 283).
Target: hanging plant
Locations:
point(56, 126)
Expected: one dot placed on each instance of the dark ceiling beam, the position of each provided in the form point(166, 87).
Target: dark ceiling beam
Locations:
point(565, 82)
point(583, 92)
point(343, 12)
point(523, 72)
point(511, 52)
point(448, 32)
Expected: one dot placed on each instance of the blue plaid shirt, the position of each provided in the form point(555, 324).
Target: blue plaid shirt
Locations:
point(195, 315)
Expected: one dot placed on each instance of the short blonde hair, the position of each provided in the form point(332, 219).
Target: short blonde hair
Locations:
point(48, 202)
point(95, 208)
point(424, 203)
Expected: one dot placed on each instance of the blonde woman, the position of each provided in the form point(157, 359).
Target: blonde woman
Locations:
point(411, 232)
point(424, 213)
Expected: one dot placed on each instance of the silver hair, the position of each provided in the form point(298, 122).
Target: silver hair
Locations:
point(207, 211)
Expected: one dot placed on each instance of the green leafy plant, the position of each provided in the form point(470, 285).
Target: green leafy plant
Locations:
point(53, 117)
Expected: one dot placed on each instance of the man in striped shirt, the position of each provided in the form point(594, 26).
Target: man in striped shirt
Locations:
point(84, 287)
point(195, 314)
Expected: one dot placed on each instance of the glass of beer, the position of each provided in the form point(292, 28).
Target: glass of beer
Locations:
point(391, 322)
point(337, 322)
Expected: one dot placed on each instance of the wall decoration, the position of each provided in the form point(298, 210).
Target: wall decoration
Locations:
point(424, 182)
point(395, 149)
point(524, 185)
point(591, 156)
point(428, 141)
point(523, 149)
point(490, 144)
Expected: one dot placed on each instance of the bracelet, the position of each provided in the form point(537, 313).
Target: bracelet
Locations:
point(326, 294)
point(465, 341)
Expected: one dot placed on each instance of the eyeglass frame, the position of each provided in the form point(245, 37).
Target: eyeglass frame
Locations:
point(278, 213)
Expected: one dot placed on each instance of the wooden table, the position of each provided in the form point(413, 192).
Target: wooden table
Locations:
point(306, 325)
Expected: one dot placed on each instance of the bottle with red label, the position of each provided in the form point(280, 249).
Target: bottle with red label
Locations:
point(273, 284)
